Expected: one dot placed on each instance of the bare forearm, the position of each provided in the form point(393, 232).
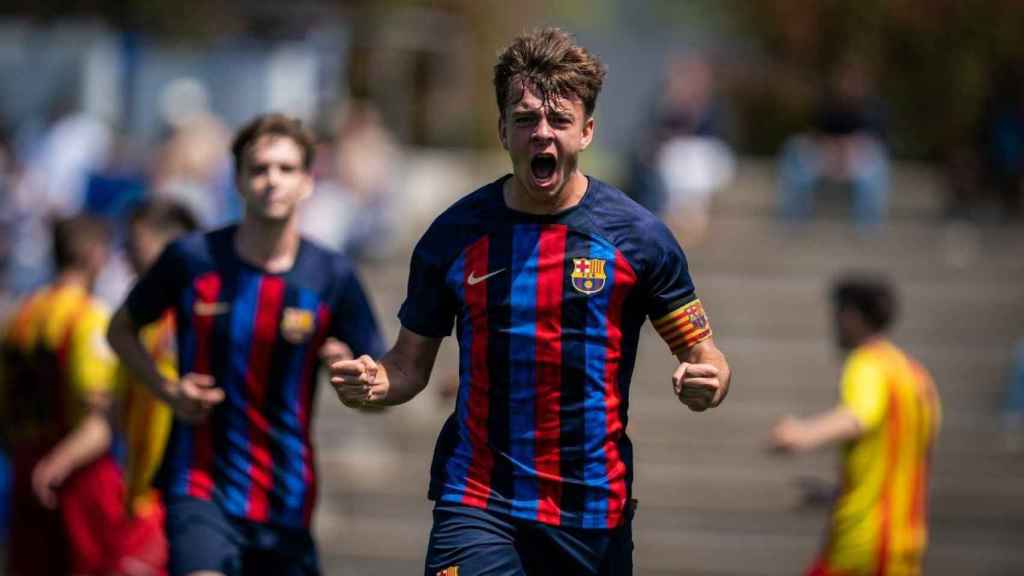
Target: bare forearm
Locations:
point(124, 339)
point(85, 443)
point(406, 381)
point(806, 434)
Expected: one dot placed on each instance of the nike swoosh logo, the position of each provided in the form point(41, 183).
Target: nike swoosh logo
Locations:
point(210, 308)
point(474, 280)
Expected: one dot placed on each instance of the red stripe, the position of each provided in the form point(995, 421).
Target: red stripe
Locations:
point(625, 279)
point(478, 480)
point(550, 279)
point(891, 457)
point(200, 477)
point(264, 335)
point(323, 321)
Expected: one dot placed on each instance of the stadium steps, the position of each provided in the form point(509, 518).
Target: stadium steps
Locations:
point(713, 500)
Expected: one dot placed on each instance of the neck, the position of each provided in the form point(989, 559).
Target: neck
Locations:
point(75, 277)
point(267, 244)
point(571, 194)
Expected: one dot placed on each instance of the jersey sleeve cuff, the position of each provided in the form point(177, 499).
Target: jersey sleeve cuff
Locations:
point(684, 327)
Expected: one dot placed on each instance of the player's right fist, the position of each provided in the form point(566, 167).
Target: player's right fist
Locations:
point(358, 382)
point(194, 396)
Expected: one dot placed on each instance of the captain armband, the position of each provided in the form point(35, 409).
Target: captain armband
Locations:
point(684, 327)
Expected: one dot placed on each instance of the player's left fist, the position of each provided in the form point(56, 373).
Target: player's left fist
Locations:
point(698, 386)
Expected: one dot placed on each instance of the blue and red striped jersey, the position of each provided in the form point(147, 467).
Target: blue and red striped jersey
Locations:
point(258, 334)
point(548, 312)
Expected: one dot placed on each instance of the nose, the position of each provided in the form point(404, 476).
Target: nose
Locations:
point(543, 130)
point(273, 175)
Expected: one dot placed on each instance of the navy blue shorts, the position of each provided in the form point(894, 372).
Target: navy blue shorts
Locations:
point(478, 542)
point(202, 537)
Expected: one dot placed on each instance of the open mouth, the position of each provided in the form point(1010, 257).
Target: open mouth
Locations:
point(543, 166)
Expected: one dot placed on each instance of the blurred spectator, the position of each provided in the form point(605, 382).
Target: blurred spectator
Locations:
point(686, 159)
point(1002, 141)
point(192, 165)
point(352, 208)
point(9, 217)
point(846, 146)
point(1014, 409)
point(886, 422)
point(53, 185)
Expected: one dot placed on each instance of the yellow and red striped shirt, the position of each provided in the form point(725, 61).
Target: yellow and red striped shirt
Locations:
point(878, 524)
point(55, 356)
point(146, 420)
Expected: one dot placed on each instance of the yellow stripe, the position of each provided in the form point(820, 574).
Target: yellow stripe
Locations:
point(675, 313)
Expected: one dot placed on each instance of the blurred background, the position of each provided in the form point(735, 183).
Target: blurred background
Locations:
point(785, 142)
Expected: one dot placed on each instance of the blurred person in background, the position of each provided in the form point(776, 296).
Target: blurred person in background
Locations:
point(846, 146)
point(550, 275)
point(352, 209)
point(53, 185)
point(885, 423)
point(56, 381)
point(257, 306)
point(1002, 142)
point(9, 217)
point(1013, 417)
point(192, 165)
point(686, 159)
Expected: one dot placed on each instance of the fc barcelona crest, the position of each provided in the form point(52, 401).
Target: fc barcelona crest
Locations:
point(297, 325)
point(588, 275)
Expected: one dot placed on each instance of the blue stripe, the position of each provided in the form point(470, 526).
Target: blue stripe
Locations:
point(522, 372)
point(236, 425)
point(595, 473)
point(291, 469)
point(457, 467)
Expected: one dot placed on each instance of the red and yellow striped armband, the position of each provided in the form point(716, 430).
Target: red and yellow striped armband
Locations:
point(684, 326)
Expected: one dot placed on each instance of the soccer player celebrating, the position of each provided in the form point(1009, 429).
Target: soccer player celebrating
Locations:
point(886, 422)
point(58, 373)
point(549, 275)
point(256, 306)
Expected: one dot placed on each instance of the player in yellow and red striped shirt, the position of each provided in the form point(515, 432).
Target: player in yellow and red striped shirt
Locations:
point(886, 422)
point(55, 389)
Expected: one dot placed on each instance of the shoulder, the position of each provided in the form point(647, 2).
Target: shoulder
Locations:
point(197, 246)
point(634, 230)
point(319, 259)
point(462, 220)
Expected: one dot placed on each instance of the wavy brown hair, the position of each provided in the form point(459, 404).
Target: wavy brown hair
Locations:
point(550, 62)
point(273, 125)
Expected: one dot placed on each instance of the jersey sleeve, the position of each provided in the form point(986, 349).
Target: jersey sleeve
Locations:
point(863, 390)
point(92, 365)
point(353, 321)
point(672, 304)
point(157, 290)
point(429, 309)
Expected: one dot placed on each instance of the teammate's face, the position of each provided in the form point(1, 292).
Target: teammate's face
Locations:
point(544, 141)
point(273, 180)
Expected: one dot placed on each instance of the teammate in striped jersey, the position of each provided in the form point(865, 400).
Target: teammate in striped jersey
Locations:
point(886, 423)
point(549, 275)
point(256, 306)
